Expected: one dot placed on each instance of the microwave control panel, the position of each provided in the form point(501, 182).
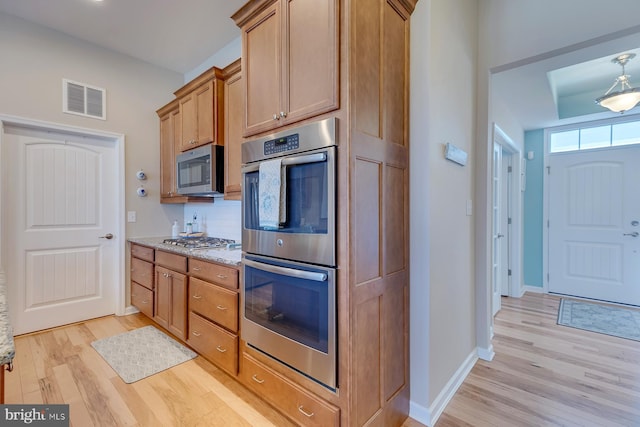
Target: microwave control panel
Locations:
point(280, 145)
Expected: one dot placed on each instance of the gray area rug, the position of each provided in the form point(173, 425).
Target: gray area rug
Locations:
point(137, 354)
point(605, 319)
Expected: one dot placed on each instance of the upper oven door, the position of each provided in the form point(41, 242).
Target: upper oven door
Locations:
point(308, 233)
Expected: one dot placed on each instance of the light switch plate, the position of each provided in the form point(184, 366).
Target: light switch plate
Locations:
point(131, 216)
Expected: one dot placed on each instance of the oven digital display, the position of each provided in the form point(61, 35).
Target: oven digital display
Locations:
point(280, 145)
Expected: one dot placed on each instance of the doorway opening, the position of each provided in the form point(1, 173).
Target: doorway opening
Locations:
point(508, 184)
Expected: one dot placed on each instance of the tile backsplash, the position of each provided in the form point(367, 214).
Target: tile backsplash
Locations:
point(222, 218)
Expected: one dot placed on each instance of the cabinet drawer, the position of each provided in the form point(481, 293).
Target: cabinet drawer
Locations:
point(297, 403)
point(171, 261)
point(142, 272)
point(142, 252)
point(142, 298)
point(215, 303)
point(215, 273)
point(214, 343)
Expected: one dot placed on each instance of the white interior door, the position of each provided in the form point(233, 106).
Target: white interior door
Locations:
point(59, 208)
point(594, 224)
point(498, 232)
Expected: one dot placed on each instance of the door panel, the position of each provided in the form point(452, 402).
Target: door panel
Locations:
point(60, 202)
point(593, 203)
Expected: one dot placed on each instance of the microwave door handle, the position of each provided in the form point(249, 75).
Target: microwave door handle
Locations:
point(285, 271)
point(290, 161)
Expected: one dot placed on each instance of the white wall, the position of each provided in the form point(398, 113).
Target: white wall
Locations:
point(443, 61)
point(34, 62)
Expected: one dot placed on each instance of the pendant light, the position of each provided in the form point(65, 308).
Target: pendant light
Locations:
point(627, 97)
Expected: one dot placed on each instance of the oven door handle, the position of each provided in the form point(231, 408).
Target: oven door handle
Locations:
point(285, 271)
point(290, 161)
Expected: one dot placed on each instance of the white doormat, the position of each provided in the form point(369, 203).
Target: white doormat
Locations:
point(605, 319)
point(137, 354)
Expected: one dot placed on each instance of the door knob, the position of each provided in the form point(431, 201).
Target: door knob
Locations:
point(634, 234)
point(107, 236)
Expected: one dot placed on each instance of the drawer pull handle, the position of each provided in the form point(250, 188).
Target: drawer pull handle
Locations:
point(220, 349)
point(305, 413)
point(256, 379)
point(221, 307)
point(197, 296)
point(196, 268)
point(196, 334)
point(221, 276)
point(145, 301)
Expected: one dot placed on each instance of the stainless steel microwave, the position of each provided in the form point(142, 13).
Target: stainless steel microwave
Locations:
point(201, 171)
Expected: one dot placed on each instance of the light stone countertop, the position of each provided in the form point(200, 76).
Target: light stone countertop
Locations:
point(7, 347)
point(231, 257)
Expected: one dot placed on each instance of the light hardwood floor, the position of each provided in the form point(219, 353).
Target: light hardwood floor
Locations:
point(544, 374)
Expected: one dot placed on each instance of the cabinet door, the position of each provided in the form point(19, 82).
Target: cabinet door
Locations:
point(178, 311)
point(204, 96)
point(171, 301)
point(262, 61)
point(189, 121)
point(162, 297)
point(310, 51)
point(168, 125)
point(234, 109)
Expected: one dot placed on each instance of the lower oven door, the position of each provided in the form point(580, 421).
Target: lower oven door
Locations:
point(289, 313)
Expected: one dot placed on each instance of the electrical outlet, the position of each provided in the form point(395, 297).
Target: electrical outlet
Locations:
point(131, 216)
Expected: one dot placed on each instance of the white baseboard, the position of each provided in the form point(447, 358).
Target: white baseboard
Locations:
point(130, 310)
point(533, 289)
point(430, 415)
point(486, 353)
point(420, 413)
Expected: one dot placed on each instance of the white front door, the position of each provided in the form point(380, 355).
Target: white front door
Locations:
point(59, 209)
point(594, 224)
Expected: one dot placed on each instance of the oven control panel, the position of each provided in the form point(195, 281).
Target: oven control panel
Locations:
point(280, 145)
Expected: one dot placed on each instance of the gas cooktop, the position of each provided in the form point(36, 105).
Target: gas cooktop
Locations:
point(199, 242)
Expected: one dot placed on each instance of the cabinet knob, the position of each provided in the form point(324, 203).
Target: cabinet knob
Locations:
point(276, 117)
point(283, 114)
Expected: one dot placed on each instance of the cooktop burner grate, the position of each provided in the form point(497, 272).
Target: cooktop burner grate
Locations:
point(199, 242)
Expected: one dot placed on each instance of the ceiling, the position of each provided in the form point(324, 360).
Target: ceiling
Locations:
point(551, 89)
point(178, 35)
point(561, 87)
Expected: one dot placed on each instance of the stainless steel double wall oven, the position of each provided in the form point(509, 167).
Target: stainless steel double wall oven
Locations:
point(289, 244)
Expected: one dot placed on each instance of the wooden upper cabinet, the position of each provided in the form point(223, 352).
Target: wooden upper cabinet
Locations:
point(290, 61)
point(169, 128)
point(233, 111)
point(201, 103)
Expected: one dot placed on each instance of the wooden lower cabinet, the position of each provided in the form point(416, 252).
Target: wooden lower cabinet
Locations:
point(215, 303)
point(214, 343)
point(294, 401)
point(171, 301)
point(142, 298)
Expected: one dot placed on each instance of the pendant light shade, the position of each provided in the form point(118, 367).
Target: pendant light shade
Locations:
point(627, 97)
